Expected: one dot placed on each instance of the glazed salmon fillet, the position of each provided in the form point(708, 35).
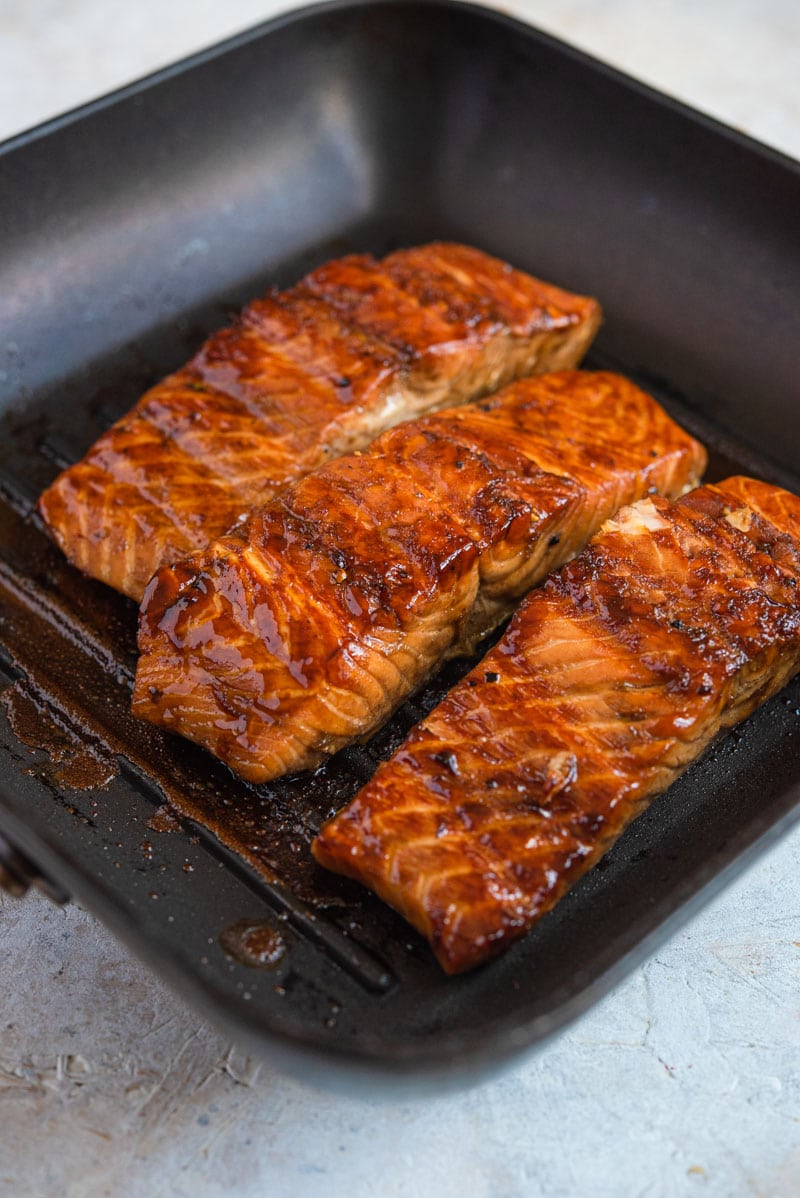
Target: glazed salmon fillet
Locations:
point(301, 377)
point(677, 621)
point(306, 629)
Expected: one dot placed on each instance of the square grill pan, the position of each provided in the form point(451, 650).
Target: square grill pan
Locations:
point(137, 225)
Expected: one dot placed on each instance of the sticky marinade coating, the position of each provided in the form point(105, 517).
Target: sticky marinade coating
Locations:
point(335, 601)
point(302, 376)
point(677, 621)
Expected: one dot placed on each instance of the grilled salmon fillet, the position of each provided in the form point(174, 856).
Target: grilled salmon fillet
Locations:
point(677, 621)
point(302, 376)
point(303, 631)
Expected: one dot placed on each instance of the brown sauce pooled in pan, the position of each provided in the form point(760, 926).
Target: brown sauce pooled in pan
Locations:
point(74, 763)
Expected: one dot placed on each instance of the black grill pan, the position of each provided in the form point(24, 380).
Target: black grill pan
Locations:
point(135, 226)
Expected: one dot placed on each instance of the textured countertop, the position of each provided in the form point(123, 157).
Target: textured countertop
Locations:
point(685, 1080)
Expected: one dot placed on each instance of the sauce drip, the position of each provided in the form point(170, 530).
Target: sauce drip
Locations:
point(164, 819)
point(254, 943)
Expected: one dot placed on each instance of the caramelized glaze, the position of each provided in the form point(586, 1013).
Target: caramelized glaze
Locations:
point(302, 376)
point(677, 620)
point(302, 632)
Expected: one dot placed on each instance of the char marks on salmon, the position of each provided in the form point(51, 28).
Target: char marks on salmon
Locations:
point(677, 621)
point(306, 629)
point(303, 376)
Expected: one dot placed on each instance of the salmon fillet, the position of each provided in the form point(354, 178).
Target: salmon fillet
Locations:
point(304, 631)
point(677, 621)
point(302, 376)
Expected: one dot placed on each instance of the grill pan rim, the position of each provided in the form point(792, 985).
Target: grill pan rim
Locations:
point(448, 1058)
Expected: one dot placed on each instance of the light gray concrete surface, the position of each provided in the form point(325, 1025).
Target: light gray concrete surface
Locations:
point(686, 1080)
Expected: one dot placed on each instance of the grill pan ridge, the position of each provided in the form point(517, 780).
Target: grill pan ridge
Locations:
point(134, 228)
